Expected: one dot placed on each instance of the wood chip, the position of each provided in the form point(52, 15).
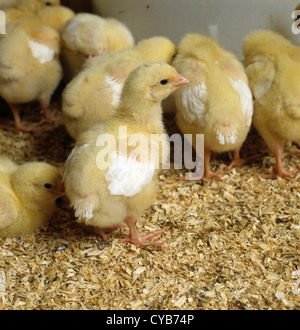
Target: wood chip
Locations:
point(230, 244)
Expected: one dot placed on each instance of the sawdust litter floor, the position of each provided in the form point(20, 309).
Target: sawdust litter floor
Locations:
point(232, 243)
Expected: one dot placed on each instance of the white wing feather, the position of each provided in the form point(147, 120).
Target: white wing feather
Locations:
point(190, 101)
point(227, 137)
point(127, 176)
point(43, 53)
point(83, 212)
point(116, 87)
point(245, 96)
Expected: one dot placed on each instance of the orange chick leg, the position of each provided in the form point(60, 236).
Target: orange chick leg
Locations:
point(208, 173)
point(49, 117)
point(100, 231)
point(19, 124)
point(237, 161)
point(137, 239)
point(278, 152)
point(278, 170)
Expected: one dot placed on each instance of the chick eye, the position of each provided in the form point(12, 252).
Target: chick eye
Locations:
point(48, 4)
point(164, 81)
point(48, 185)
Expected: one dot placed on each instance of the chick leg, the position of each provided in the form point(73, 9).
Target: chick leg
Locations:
point(237, 161)
point(19, 124)
point(137, 239)
point(49, 117)
point(100, 231)
point(208, 173)
point(278, 168)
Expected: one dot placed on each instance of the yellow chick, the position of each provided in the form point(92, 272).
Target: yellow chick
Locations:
point(4, 4)
point(25, 8)
point(94, 94)
point(29, 68)
point(273, 69)
point(109, 185)
point(27, 196)
point(55, 16)
point(217, 102)
point(87, 35)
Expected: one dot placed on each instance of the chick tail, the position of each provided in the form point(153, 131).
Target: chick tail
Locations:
point(226, 134)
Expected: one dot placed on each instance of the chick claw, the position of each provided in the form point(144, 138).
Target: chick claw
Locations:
point(100, 231)
point(208, 174)
point(145, 240)
point(49, 118)
point(281, 173)
point(240, 162)
point(135, 237)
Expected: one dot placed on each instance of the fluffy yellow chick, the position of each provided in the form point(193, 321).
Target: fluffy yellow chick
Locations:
point(217, 102)
point(105, 191)
point(87, 35)
point(273, 69)
point(29, 67)
point(94, 94)
point(55, 16)
point(4, 4)
point(27, 196)
point(25, 8)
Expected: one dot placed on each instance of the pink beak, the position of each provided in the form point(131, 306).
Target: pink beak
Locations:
point(181, 81)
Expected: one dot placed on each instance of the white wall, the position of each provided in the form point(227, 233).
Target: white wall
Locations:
point(229, 21)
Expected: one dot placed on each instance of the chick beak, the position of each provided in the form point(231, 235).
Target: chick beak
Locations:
point(60, 193)
point(181, 81)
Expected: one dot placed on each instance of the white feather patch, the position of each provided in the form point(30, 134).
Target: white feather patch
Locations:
point(127, 176)
point(190, 100)
point(116, 87)
point(43, 53)
point(227, 137)
point(245, 96)
point(83, 213)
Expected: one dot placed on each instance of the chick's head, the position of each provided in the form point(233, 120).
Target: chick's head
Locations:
point(38, 182)
point(35, 5)
point(156, 80)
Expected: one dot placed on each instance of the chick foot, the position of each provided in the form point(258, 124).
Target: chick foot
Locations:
point(20, 125)
point(135, 237)
point(100, 231)
point(49, 117)
point(279, 173)
point(278, 170)
point(208, 173)
point(237, 161)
